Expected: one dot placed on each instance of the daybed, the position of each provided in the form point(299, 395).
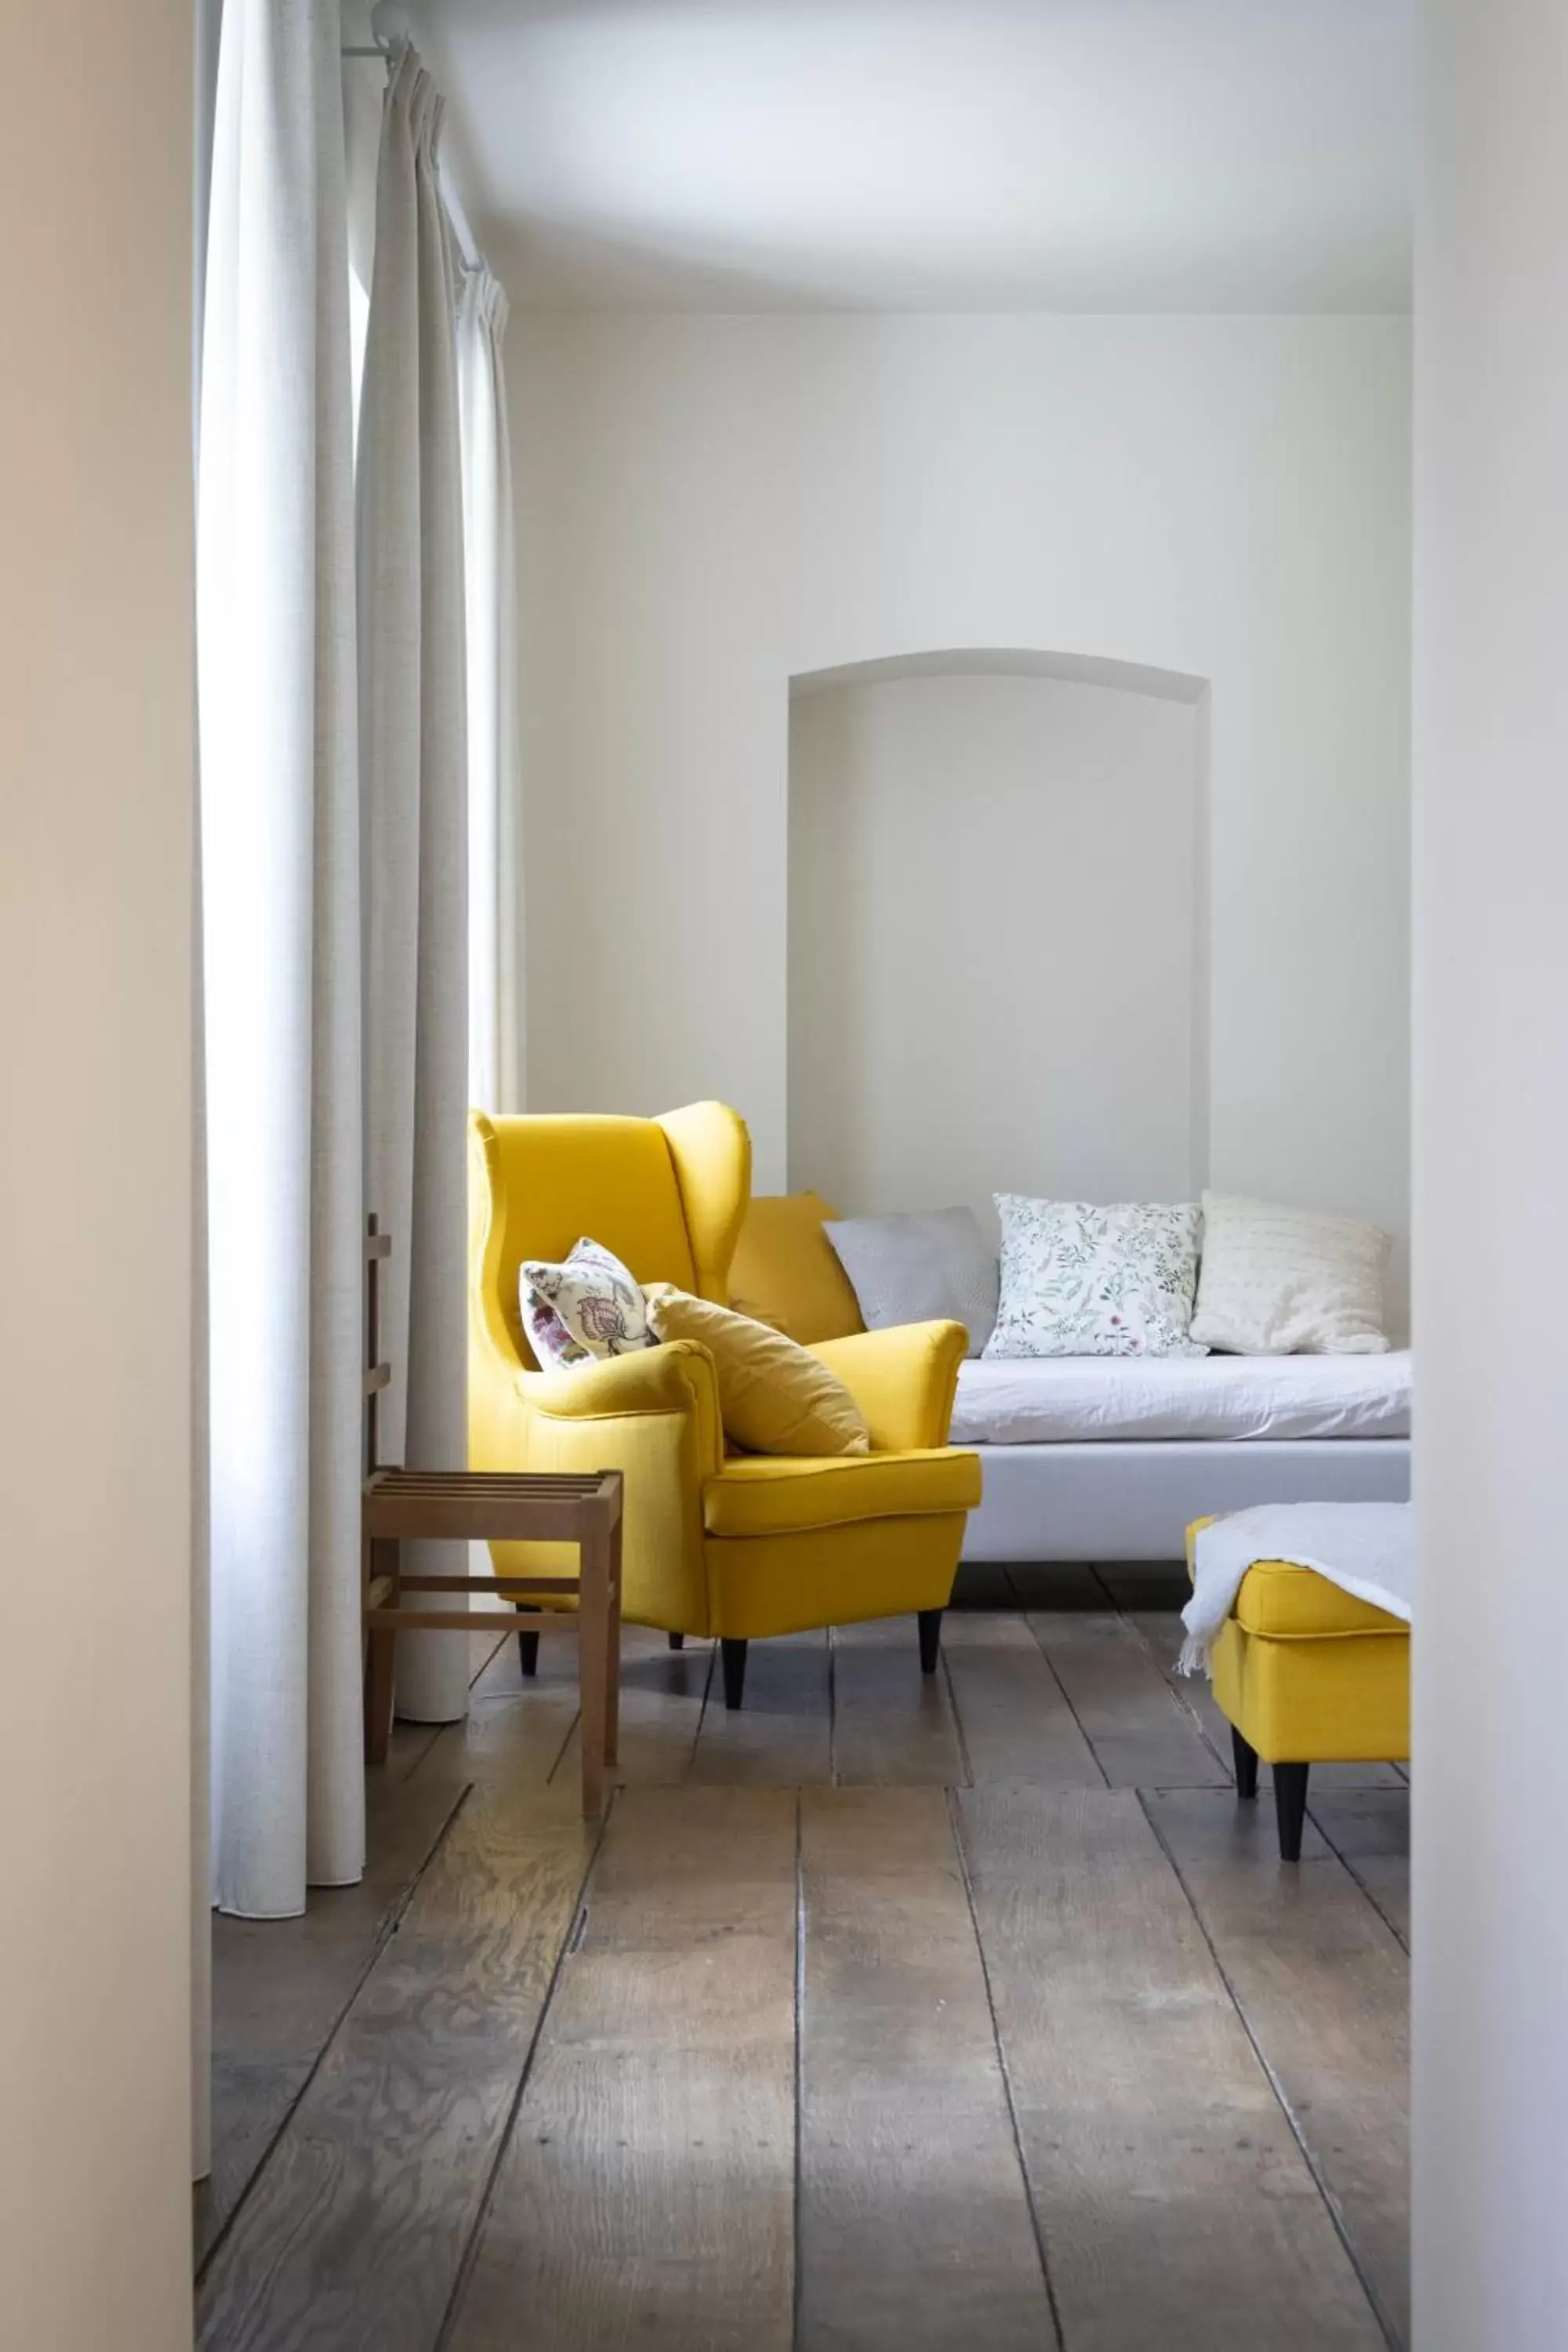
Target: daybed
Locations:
point(1086, 1458)
point(1111, 1458)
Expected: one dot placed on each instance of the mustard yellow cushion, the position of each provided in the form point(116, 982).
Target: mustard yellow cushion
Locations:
point(758, 1498)
point(773, 1396)
point(785, 1270)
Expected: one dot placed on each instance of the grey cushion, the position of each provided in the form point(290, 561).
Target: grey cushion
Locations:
point(930, 1267)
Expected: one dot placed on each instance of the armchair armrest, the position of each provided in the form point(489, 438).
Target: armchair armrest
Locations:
point(653, 1416)
point(903, 1380)
point(677, 1379)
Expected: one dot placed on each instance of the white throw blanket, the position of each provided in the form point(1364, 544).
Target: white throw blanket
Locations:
point(1363, 1547)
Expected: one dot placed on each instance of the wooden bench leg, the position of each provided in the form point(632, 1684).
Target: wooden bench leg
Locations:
point(1291, 1807)
point(613, 1652)
point(380, 1659)
point(593, 1667)
point(1245, 1760)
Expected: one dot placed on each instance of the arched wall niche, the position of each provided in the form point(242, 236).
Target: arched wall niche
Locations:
point(998, 930)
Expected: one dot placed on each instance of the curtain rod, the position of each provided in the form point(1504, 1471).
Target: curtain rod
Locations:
point(468, 242)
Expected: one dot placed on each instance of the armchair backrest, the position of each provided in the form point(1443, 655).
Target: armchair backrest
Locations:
point(667, 1194)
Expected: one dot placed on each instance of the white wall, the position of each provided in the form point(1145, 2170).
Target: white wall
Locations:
point(992, 941)
point(95, 927)
point(1490, 2130)
point(709, 505)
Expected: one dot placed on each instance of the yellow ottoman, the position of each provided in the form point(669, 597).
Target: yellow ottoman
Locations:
point(1306, 1674)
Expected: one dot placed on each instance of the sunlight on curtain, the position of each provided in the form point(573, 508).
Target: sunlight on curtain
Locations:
point(281, 892)
point(414, 800)
point(495, 978)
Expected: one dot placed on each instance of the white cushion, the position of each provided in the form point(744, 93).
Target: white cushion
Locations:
point(1078, 1280)
point(1284, 1282)
point(929, 1266)
point(1248, 1400)
point(585, 1308)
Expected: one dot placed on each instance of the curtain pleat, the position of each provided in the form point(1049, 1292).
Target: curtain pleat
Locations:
point(280, 886)
point(411, 689)
point(495, 846)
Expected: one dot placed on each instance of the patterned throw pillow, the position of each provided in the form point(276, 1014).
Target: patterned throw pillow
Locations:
point(587, 1308)
point(1083, 1281)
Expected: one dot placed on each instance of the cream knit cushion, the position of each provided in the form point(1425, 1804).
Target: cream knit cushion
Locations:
point(1286, 1282)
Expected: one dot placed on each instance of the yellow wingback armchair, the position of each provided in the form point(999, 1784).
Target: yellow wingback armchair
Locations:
point(715, 1544)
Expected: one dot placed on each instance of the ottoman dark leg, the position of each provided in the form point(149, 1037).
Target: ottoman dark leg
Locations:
point(929, 1622)
point(1291, 1807)
point(528, 1649)
point(732, 1659)
point(677, 1641)
point(1245, 1760)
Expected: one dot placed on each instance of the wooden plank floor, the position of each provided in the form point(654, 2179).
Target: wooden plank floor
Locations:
point(886, 2013)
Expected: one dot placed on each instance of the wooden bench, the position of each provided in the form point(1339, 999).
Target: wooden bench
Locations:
point(492, 1506)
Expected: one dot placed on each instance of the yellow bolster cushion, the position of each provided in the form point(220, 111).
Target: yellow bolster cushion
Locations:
point(788, 1272)
point(773, 1396)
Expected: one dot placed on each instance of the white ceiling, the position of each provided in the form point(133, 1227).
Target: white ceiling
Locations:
point(1109, 155)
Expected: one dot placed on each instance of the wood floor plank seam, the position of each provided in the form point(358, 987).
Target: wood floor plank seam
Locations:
point(388, 1928)
point(569, 1942)
point(795, 2285)
point(436, 1730)
point(640, 1722)
point(1347, 1861)
point(959, 1738)
point(488, 1659)
point(1066, 1698)
point(455, 1732)
point(833, 1780)
point(566, 1743)
point(706, 1697)
point(956, 1825)
point(1330, 2202)
point(1181, 1697)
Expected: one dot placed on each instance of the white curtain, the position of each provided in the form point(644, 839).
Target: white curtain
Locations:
point(280, 885)
point(494, 858)
point(411, 689)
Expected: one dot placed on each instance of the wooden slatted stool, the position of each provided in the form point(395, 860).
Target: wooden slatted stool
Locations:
point(495, 1507)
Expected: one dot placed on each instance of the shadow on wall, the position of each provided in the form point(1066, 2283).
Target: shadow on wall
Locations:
point(998, 930)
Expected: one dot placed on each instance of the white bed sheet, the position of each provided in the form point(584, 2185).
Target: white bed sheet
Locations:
point(1074, 1399)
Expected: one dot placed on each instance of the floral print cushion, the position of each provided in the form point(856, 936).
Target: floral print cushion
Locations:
point(587, 1308)
point(1078, 1280)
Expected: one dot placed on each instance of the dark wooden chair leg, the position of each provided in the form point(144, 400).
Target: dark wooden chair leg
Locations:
point(930, 1623)
point(677, 1641)
point(732, 1655)
point(1245, 1758)
point(1291, 1807)
point(528, 1651)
